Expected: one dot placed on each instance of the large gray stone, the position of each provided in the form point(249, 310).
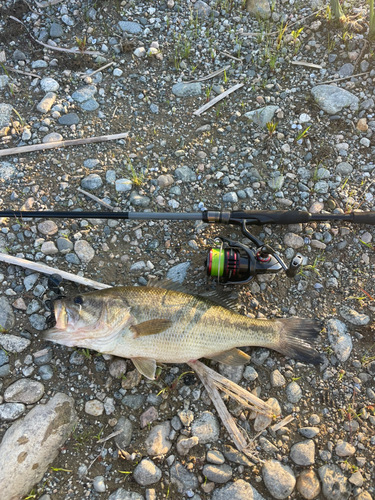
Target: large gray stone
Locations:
point(206, 428)
point(178, 273)
point(84, 93)
point(262, 116)
point(146, 473)
point(354, 317)
point(303, 453)
point(187, 89)
point(157, 442)
point(24, 391)
point(333, 99)
point(259, 8)
point(185, 174)
point(339, 338)
point(240, 490)
point(6, 315)
point(279, 479)
point(335, 485)
point(12, 343)
point(5, 113)
point(183, 479)
point(130, 27)
point(47, 102)
point(91, 182)
point(7, 170)
point(31, 444)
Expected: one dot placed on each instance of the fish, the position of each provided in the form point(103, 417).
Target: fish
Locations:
point(156, 324)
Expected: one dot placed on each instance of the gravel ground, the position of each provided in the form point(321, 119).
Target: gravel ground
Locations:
point(316, 154)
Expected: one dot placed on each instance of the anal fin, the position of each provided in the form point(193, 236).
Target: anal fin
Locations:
point(145, 366)
point(150, 327)
point(233, 357)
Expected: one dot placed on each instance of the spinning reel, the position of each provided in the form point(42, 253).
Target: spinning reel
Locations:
point(234, 263)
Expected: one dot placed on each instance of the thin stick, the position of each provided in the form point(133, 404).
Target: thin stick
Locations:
point(285, 421)
point(230, 56)
point(114, 434)
point(59, 49)
point(22, 72)
point(344, 78)
point(217, 99)
point(307, 64)
point(95, 198)
point(289, 25)
point(83, 75)
point(47, 4)
point(211, 75)
point(59, 144)
point(40, 268)
point(227, 419)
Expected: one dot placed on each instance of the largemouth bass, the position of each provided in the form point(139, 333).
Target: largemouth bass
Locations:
point(150, 324)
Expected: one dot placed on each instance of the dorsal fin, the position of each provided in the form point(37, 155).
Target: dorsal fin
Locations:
point(167, 285)
point(222, 299)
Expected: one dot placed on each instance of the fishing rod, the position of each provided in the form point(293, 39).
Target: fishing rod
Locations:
point(233, 263)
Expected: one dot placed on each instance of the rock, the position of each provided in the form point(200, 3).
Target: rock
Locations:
point(344, 168)
point(47, 102)
point(84, 93)
point(339, 338)
point(303, 453)
point(362, 125)
point(293, 240)
point(187, 89)
point(308, 484)
point(99, 484)
point(357, 479)
point(7, 318)
point(185, 174)
point(202, 8)
point(39, 64)
point(239, 490)
point(4, 80)
point(49, 248)
point(279, 479)
point(56, 30)
point(130, 27)
point(354, 317)
point(218, 473)
point(69, 119)
point(123, 185)
point(7, 171)
point(165, 180)
point(206, 428)
point(178, 273)
point(261, 116)
point(276, 379)
point(259, 8)
point(90, 105)
point(12, 343)
point(117, 367)
point(124, 438)
point(146, 473)
point(364, 495)
point(140, 52)
point(230, 197)
point(233, 373)
point(309, 432)
point(157, 442)
point(5, 114)
point(293, 392)
point(67, 20)
point(49, 85)
point(250, 374)
point(184, 480)
point(91, 182)
point(332, 99)
point(262, 421)
point(139, 201)
point(344, 449)
point(47, 227)
point(10, 412)
point(84, 251)
point(335, 485)
point(64, 245)
point(276, 183)
point(148, 416)
point(236, 456)
point(215, 457)
point(122, 494)
point(184, 444)
point(94, 407)
point(346, 70)
point(39, 437)
point(24, 391)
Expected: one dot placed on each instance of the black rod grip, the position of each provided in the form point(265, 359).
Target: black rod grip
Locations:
point(363, 218)
point(259, 217)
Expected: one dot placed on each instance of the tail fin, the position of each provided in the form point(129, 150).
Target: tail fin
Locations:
point(296, 335)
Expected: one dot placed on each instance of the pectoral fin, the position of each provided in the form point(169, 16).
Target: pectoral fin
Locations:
point(151, 327)
point(146, 367)
point(233, 357)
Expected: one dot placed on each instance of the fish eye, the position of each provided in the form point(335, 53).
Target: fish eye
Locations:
point(78, 300)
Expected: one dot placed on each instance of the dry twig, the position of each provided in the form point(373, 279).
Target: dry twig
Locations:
point(60, 144)
point(217, 99)
point(211, 75)
point(95, 198)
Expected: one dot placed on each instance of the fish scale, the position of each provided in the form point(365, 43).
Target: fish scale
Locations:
point(156, 324)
